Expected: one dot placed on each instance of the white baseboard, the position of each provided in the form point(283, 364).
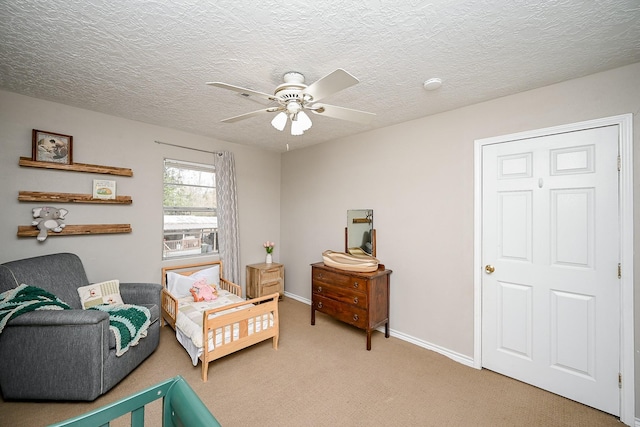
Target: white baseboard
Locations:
point(460, 358)
point(297, 298)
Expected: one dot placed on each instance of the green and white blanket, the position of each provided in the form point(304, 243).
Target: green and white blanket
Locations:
point(25, 298)
point(129, 323)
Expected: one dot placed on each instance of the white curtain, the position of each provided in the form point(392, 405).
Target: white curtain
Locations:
point(227, 215)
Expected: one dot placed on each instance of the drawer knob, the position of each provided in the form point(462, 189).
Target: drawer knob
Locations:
point(319, 289)
point(355, 300)
point(355, 317)
point(355, 284)
point(319, 304)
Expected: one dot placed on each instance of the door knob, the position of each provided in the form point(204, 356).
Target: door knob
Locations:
point(489, 268)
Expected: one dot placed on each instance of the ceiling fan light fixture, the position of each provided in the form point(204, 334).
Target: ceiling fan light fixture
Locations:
point(293, 96)
point(293, 107)
point(304, 120)
point(279, 121)
point(296, 128)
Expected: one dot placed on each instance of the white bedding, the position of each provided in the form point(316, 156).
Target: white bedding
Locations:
point(189, 323)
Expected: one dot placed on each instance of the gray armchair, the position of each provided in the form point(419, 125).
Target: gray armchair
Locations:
point(67, 354)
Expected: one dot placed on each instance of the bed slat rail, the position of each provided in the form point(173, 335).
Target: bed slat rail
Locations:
point(261, 312)
point(169, 308)
point(230, 286)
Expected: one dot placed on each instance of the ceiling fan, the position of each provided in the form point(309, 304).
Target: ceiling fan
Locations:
point(293, 97)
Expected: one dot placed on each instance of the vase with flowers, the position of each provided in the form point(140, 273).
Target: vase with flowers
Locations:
point(268, 246)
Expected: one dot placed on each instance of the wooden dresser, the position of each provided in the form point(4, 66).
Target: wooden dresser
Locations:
point(360, 299)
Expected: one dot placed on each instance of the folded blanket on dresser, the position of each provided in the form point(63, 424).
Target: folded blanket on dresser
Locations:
point(24, 299)
point(129, 323)
point(357, 261)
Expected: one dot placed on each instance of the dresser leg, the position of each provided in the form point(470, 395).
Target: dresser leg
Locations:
point(313, 315)
point(369, 340)
point(386, 330)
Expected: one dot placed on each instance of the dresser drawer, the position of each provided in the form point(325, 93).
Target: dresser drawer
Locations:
point(270, 275)
point(344, 312)
point(343, 294)
point(324, 276)
point(271, 288)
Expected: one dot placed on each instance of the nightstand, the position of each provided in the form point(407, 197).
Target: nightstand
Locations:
point(264, 279)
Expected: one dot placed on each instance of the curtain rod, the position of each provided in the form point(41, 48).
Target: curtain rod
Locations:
point(219, 153)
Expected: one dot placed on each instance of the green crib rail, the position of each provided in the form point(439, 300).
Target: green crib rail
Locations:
point(181, 406)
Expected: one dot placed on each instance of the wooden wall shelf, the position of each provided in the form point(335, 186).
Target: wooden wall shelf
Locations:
point(70, 230)
point(76, 167)
point(40, 196)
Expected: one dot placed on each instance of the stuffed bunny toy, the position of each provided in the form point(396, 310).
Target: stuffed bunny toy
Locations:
point(48, 218)
point(203, 292)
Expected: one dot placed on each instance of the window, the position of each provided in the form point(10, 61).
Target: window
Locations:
point(189, 206)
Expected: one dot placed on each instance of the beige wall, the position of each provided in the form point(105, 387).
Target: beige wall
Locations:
point(107, 140)
point(418, 178)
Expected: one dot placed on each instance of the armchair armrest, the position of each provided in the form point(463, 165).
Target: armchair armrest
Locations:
point(66, 349)
point(50, 318)
point(141, 293)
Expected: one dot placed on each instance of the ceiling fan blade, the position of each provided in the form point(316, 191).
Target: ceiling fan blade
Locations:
point(330, 84)
point(243, 91)
point(343, 113)
point(251, 114)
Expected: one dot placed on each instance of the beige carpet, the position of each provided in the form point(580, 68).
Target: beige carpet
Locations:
point(323, 376)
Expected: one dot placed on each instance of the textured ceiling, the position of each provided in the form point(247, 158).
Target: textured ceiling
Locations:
point(149, 60)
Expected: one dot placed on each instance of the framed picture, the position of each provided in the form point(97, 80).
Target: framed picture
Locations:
point(104, 189)
point(52, 147)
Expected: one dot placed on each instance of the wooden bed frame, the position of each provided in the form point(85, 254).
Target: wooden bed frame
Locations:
point(256, 308)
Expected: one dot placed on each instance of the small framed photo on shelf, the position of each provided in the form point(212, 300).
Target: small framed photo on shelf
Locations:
point(51, 147)
point(104, 189)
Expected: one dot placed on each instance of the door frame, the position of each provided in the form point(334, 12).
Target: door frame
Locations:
point(625, 205)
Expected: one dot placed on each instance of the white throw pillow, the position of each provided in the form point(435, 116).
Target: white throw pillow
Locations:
point(100, 293)
point(178, 285)
point(211, 274)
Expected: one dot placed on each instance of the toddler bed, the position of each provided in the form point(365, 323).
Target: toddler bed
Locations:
point(209, 330)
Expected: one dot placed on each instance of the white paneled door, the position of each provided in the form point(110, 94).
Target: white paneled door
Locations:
point(550, 251)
